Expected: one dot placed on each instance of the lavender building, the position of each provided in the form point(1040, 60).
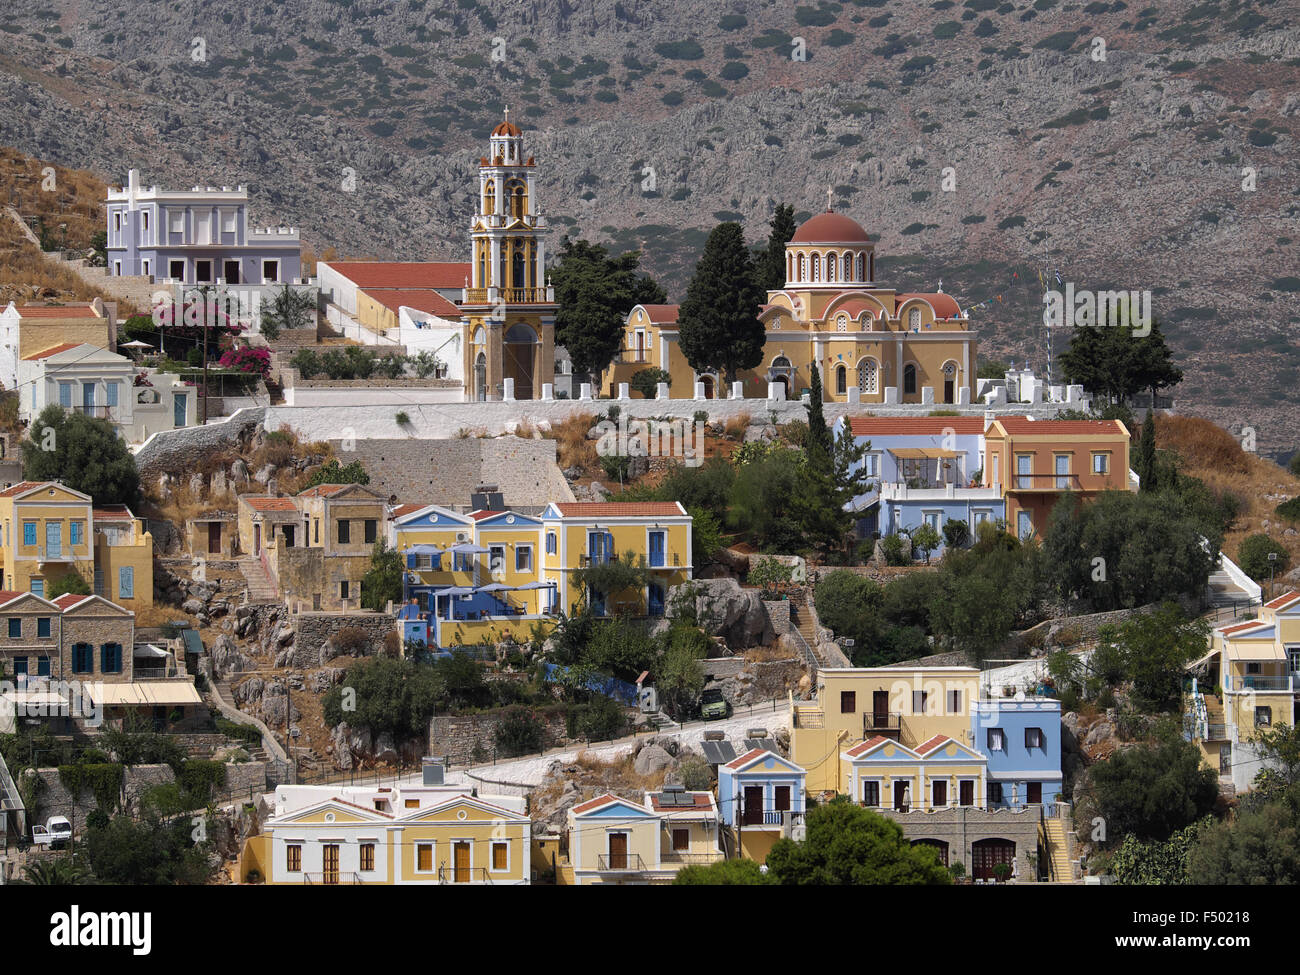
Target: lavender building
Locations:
point(196, 237)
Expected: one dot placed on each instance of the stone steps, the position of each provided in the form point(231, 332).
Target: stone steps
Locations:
point(1058, 849)
point(261, 588)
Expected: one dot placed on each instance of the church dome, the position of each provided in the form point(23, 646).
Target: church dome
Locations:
point(830, 228)
point(506, 128)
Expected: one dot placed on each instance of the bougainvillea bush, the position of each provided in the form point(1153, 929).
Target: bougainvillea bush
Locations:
point(244, 359)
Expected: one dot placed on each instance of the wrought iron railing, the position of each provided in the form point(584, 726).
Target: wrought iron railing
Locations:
point(463, 875)
point(629, 862)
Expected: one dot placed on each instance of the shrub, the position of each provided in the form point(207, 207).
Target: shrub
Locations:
point(402, 418)
point(251, 361)
point(645, 381)
point(956, 533)
point(307, 362)
point(1290, 510)
point(1253, 557)
point(895, 550)
point(351, 641)
point(600, 719)
point(767, 573)
point(518, 732)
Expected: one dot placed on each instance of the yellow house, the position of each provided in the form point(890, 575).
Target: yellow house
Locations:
point(1250, 681)
point(611, 840)
point(586, 533)
point(406, 834)
point(650, 342)
point(909, 705)
point(937, 774)
point(497, 574)
point(49, 530)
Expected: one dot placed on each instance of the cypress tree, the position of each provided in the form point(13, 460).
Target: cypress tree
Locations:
point(771, 266)
point(718, 326)
point(1145, 461)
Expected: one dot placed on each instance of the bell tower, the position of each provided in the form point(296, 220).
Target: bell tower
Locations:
point(509, 307)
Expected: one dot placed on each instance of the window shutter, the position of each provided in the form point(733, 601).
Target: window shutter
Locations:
point(410, 560)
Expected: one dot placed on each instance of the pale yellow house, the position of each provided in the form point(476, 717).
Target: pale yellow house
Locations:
point(909, 705)
point(406, 834)
point(611, 840)
point(48, 530)
point(1248, 681)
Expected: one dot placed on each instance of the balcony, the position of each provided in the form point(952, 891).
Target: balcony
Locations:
point(770, 818)
point(513, 296)
point(59, 554)
point(1236, 683)
point(1044, 483)
point(464, 875)
point(674, 858)
point(889, 724)
point(621, 863)
point(806, 717)
point(97, 412)
point(331, 878)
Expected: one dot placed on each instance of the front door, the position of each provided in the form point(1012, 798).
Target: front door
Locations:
point(178, 409)
point(230, 271)
point(330, 863)
point(987, 854)
point(753, 812)
point(460, 858)
point(1034, 793)
point(880, 709)
point(618, 851)
point(214, 538)
point(901, 795)
point(257, 539)
point(53, 539)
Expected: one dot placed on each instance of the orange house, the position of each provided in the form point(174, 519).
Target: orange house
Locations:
point(1036, 462)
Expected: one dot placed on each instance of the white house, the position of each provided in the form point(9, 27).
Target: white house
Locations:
point(87, 379)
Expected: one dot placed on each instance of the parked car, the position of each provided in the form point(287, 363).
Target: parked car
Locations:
point(713, 705)
point(56, 833)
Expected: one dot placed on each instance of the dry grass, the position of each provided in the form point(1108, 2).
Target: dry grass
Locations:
point(158, 614)
point(762, 655)
point(573, 449)
point(1213, 455)
point(595, 776)
point(735, 427)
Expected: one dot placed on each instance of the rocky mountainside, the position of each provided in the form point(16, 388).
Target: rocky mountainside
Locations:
point(1146, 146)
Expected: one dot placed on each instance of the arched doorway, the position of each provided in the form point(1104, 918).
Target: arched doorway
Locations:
point(841, 380)
point(950, 382)
point(987, 854)
point(909, 379)
point(480, 377)
point(939, 847)
point(707, 383)
point(519, 347)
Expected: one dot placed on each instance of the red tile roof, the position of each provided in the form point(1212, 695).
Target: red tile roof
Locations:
point(113, 512)
point(406, 509)
point(1282, 600)
point(321, 490)
point(421, 299)
point(662, 314)
point(596, 803)
point(1239, 627)
point(484, 513)
point(370, 809)
point(945, 306)
point(855, 307)
point(270, 504)
point(1018, 425)
point(404, 274)
point(907, 426)
point(52, 350)
point(866, 746)
point(620, 509)
point(932, 744)
point(8, 594)
point(57, 311)
point(22, 487)
point(699, 800)
point(746, 758)
point(69, 599)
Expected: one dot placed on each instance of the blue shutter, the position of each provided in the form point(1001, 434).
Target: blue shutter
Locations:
point(126, 582)
point(410, 560)
point(29, 533)
point(65, 395)
point(112, 394)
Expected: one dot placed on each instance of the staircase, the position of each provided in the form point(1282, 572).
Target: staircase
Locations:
point(261, 587)
point(1057, 844)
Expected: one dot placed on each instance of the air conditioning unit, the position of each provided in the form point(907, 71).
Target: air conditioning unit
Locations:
point(462, 537)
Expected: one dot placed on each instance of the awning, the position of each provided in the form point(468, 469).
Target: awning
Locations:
point(537, 585)
point(918, 453)
point(494, 587)
point(141, 693)
point(1253, 651)
point(34, 699)
point(149, 650)
point(425, 549)
point(468, 548)
point(455, 591)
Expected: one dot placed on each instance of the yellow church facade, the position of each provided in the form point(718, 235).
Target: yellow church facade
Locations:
point(871, 343)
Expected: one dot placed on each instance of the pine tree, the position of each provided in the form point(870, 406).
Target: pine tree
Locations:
point(771, 265)
point(718, 324)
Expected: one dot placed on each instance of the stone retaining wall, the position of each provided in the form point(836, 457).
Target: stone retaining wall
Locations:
point(311, 630)
point(961, 826)
point(470, 739)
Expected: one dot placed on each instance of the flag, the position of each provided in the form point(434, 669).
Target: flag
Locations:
point(1058, 278)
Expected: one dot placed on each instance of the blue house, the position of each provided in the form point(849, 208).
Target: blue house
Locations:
point(922, 470)
point(194, 237)
point(1021, 739)
point(761, 795)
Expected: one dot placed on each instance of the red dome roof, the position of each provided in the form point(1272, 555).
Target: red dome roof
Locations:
point(506, 128)
point(830, 228)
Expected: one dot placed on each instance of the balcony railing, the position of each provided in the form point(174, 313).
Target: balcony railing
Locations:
point(624, 862)
point(809, 717)
point(770, 817)
point(675, 858)
point(1258, 682)
point(881, 723)
point(1044, 482)
point(331, 878)
point(464, 875)
point(44, 554)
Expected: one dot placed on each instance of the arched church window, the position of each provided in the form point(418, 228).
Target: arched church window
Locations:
point(841, 380)
point(816, 267)
point(909, 379)
point(832, 263)
point(801, 277)
point(862, 268)
point(848, 267)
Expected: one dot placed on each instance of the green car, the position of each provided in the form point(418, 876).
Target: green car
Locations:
point(713, 705)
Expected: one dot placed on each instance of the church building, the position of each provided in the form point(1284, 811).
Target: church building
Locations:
point(871, 343)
